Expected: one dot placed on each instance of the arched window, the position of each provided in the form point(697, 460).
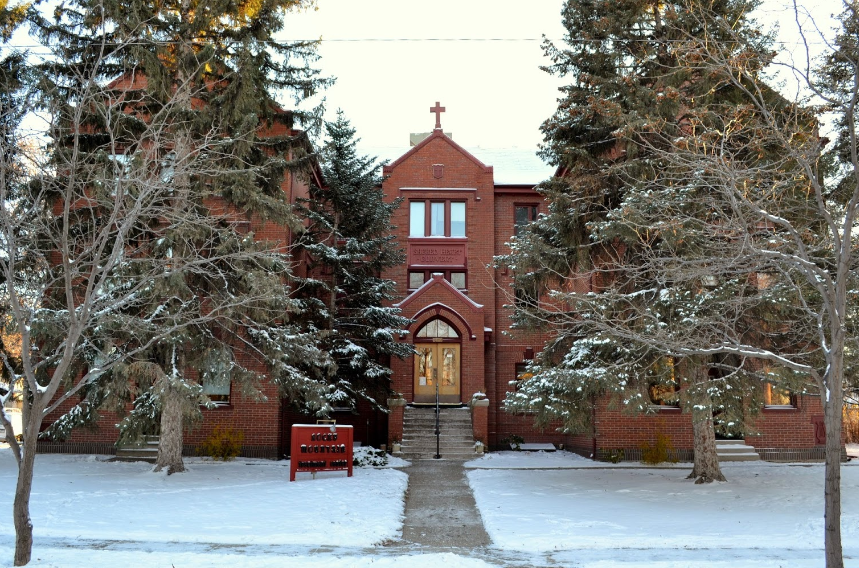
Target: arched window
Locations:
point(438, 328)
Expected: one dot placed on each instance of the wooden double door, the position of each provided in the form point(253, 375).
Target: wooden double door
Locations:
point(438, 365)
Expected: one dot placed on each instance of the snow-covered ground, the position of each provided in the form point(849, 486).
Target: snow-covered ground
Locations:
point(539, 509)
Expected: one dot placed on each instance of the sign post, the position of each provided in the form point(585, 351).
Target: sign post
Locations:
point(320, 447)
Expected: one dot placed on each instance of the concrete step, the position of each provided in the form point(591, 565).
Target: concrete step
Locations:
point(448, 439)
point(735, 450)
point(427, 442)
point(411, 439)
point(431, 419)
point(455, 442)
point(146, 450)
point(430, 424)
point(753, 456)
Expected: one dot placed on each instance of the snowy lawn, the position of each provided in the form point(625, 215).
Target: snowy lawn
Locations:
point(540, 509)
point(591, 505)
point(241, 502)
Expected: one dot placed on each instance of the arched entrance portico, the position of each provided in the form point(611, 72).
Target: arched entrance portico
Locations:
point(438, 363)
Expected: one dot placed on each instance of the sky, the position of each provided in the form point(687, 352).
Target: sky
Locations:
point(411, 54)
point(394, 59)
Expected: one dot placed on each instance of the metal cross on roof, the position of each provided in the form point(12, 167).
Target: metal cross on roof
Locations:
point(437, 109)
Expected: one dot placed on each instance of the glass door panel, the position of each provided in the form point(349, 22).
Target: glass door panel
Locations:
point(437, 363)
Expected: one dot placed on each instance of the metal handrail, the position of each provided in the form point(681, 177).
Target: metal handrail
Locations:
point(437, 424)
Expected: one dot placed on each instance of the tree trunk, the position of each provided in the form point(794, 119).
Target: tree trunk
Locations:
point(832, 415)
point(170, 444)
point(21, 504)
point(705, 468)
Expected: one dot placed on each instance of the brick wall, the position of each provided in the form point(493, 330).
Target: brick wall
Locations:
point(259, 418)
point(788, 433)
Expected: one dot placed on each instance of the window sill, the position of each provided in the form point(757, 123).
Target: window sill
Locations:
point(462, 238)
point(219, 406)
point(664, 408)
point(779, 408)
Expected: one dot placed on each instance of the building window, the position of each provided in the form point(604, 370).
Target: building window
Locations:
point(457, 219)
point(522, 215)
point(416, 279)
point(436, 218)
point(438, 329)
point(526, 293)
point(456, 278)
point(522, 374)
point(417, 219)
point(217, 388)
point(777, 396)
point(215, 379)
point(662, 391)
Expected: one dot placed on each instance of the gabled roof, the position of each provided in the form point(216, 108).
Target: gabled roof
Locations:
point(518, 166)
point(436, 134)
point(438, 280)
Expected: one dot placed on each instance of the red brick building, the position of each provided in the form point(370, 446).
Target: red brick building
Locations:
point(454, 219)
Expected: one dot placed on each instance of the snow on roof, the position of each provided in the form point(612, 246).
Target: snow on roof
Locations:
point(514, 166)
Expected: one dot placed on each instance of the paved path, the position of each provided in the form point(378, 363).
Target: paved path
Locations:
point(440, 509)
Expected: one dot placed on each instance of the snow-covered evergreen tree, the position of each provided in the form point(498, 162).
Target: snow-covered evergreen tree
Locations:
point(730, 244)
point(199, 83)
point(347, 244)
point(621, 248)
point(168, 145)
point(14, 102)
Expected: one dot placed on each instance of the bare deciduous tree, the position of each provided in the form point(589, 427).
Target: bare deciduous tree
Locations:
point(737, 254)
point(105, 255)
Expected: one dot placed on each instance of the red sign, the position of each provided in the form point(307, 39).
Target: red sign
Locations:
point(320, 447)
point(437, 254)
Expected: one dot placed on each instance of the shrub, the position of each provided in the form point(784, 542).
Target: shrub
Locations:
point(658, 452)
point(222, 444)
point(515, 441)
point(369, 457)
point(613, 456)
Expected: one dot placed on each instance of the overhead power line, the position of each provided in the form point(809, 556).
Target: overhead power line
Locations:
point(425, 39)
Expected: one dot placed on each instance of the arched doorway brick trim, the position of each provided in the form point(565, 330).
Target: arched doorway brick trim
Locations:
point(445, 312)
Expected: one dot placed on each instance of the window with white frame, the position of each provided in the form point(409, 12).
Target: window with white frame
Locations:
point(436, 218)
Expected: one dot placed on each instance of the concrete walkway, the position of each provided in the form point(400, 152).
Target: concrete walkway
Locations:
point(440, 509)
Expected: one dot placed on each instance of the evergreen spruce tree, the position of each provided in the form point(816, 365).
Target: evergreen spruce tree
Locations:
point(347, 244)
point(198, 81)
point(168, 144)
point(626, 222)
point(15, 99)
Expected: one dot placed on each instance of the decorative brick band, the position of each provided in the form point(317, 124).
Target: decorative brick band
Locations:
point(262, 452)
point(103, 448)
point(815, 454)
point(634, 454)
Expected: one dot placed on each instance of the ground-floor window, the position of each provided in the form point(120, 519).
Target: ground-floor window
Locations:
point(663, 388)
point(522, 374)
point(217, 388)
point(457, 278)
point(775, 396)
